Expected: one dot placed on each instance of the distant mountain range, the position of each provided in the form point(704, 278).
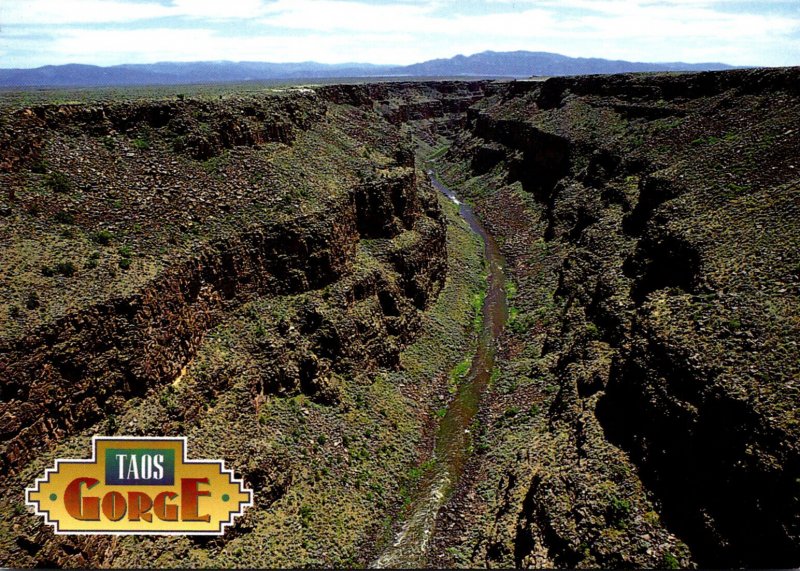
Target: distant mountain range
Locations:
point(517, 64)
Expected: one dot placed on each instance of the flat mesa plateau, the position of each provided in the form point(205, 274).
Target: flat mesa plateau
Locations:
point(430, 323)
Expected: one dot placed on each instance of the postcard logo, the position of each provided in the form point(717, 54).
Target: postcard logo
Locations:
point(139, 485)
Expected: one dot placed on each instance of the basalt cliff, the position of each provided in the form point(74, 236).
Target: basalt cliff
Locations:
point(273, 276)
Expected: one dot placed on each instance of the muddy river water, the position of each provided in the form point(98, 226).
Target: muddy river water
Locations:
point(452, 448)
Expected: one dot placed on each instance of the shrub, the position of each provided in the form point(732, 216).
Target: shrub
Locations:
point(305, 515)
point(125, 261)
point(32, 302)
point(669, 561)
point(460, 371)
point(102, 237)
point(521, 323)
point(65, 217)
point(58, 182)
point(66, 269)
point(39, 166)
point(167, 399)
point(652, 518)
point(141, 144)
point(618, 511)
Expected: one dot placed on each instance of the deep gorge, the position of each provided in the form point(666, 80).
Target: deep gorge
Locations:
point(274, 277)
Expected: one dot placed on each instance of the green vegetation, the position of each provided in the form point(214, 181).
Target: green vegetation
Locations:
point(520, 323)
point(58, 182)
point(141, 143)
point(65, 268)
point(733, 190)
point(458, 373)
point(438, 152)
point(734, 323)
point(125, 252)
point(669, 561)
point(618, 512)
point(93, 260)
point(102, 237)
point(32, 300)
point(666, 125)
point(477, 308)
point(39, 166)
point(713, 140)
point(215, 164)
point(64, 217)
point(511, 290)
point(415, 473)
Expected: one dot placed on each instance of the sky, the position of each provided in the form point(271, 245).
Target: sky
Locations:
point(107, 32)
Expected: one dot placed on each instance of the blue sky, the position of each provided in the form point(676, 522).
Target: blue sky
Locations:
point(107, 32)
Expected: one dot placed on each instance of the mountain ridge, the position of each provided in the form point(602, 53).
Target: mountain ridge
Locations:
point(515, 64)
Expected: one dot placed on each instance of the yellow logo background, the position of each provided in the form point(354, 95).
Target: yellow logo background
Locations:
point(227, 497)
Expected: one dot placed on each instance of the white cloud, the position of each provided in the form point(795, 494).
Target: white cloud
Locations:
point(398, 32)
point(33, 12)
point(218, 9)
point(108, 47)
point(649, 30)
point(37, 12)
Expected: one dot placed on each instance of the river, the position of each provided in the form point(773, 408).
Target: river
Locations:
point(452, 447)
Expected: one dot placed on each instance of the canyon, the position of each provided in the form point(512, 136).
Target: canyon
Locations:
point(273, 275)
